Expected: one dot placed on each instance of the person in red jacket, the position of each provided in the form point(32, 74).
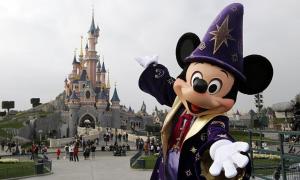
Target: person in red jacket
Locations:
point(75, 154)
point(58, 151)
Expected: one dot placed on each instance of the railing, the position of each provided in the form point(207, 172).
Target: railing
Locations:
point(135, 157)
point(274, 155)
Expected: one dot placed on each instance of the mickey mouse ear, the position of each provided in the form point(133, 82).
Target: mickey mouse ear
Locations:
point(187, 43)
point(259, 72)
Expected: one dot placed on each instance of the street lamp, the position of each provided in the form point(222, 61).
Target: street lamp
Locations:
point(40, 132)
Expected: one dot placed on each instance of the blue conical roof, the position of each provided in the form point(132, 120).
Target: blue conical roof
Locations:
point(75, 60)
point(92, 27)
point(103, 70)
point(115, 96)
point(101, 95)
point(98, 66)
point(83, 75)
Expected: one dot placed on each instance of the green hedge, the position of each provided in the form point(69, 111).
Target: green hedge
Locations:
point(149, 161)
point(10, 170)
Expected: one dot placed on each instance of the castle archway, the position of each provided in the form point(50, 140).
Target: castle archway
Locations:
point(87, 121)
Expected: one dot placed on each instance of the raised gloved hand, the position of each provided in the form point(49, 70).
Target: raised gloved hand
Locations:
point(147, 60)
point(227, 157)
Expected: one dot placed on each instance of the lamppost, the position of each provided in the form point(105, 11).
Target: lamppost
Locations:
point(40, 132)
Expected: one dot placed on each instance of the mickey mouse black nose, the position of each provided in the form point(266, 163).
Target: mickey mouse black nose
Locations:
point(199, 85)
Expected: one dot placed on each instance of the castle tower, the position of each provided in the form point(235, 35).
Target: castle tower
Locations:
point(86, 51)
point(98, 73)
point(102, 74)
point(74, 105)
point(115, 107)
point(67, 87)
point(72, 76)
point(101, 100)
point(91, 57)
point(108, 84)
point(80, 56)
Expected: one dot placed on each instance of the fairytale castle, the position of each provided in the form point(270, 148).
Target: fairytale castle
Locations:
point(88, 99)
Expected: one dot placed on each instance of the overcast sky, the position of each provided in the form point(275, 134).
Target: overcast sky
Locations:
point(38, 37)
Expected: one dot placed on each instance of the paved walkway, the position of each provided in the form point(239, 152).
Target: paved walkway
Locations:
point(104, 167)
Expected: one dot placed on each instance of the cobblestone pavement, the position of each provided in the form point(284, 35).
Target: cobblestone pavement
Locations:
point(103, 167)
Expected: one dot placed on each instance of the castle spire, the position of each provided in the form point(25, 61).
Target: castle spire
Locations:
point(103, 70)
point(92, 27)
point(115, 97)
point(98, 66)
point(74, 59)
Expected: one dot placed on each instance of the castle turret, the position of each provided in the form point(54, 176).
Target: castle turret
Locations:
point(67, 87)
point(115, 99)
point(91, 58)
point(108, 84)
point(86, 50)
point(101, 100)
point(102, 75)
point(74, 104)
point(98, 73)
point(81, 51)
point(115, 107)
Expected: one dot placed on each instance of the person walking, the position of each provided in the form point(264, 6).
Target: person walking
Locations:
point(66, 151)
point(76, 150)
point(86, 153)
point(71, 150)
point(137, 142)
point(126, 137)
point(58, 151)
point(93, 151)
point(32, 150)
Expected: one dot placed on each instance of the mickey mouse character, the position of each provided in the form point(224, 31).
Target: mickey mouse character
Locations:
point(195, 136)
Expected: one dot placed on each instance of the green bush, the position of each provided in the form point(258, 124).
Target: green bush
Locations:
point(149, 161)
point(11, 170)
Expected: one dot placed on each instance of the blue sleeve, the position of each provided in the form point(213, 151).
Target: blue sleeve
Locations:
point(156, 81)
point(218, 128)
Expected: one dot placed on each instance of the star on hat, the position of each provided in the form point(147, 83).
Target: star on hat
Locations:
point(221, 35)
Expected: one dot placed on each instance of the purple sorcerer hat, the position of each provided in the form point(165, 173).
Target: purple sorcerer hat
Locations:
point(222, 44)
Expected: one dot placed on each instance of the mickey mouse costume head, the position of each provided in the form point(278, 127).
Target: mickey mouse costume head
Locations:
point(214, 70)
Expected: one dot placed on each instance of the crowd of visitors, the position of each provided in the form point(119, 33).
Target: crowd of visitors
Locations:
point(12, 147)
point(150, 146)
point(72, 150)
point(118, 145)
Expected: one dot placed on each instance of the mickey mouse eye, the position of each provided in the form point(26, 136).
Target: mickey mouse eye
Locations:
point(196, 75)
point(214, 86)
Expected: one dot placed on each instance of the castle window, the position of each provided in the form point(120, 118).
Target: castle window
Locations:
point(83, 86)
point(88, 94)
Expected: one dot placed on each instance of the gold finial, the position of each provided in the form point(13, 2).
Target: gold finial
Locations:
point(81, 52)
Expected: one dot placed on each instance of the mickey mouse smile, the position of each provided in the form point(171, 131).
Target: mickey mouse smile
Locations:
point(195, 109)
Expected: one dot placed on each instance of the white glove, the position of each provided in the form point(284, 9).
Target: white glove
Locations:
point(146, 60)
point(227, 157)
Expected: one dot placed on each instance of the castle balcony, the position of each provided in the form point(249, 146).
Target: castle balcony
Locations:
point(87, 103)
